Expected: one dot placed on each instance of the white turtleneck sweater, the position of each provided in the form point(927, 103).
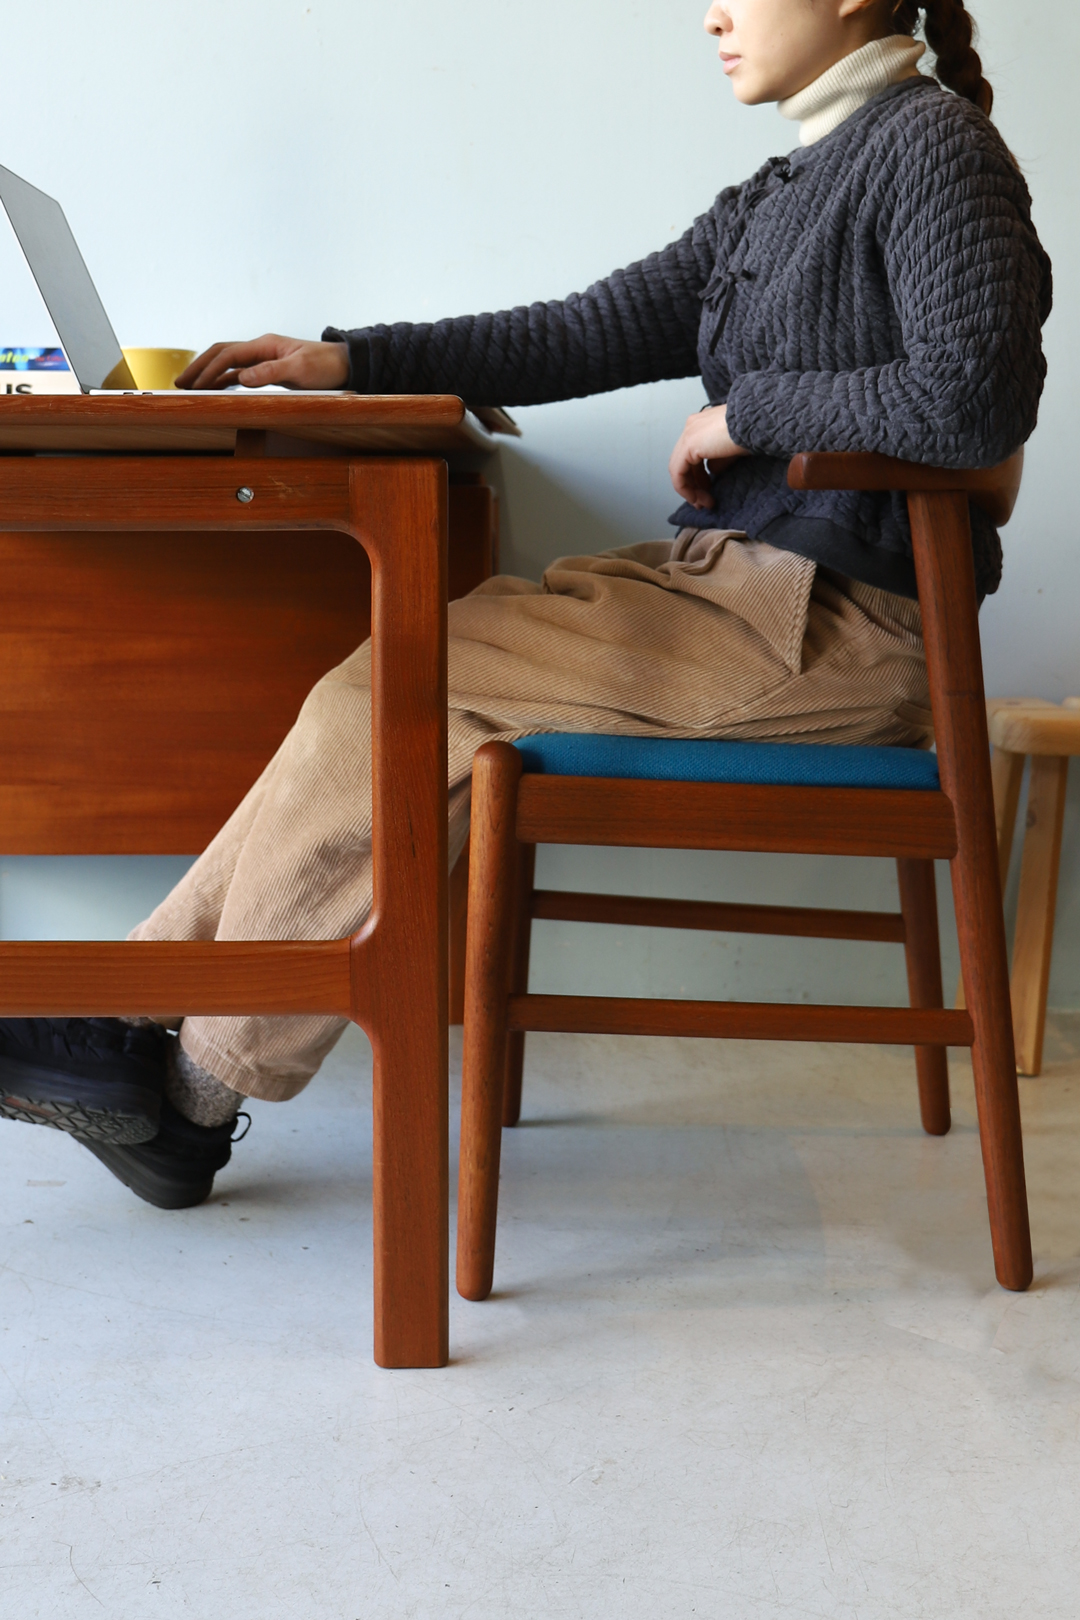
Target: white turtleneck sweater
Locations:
point(842, 89)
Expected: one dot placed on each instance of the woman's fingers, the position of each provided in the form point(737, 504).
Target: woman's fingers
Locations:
point(688, 474)
point(705, 438)
point(302, 365)
point(271, 359)
point(209, 368)
point(283, 373)
point(187, 377)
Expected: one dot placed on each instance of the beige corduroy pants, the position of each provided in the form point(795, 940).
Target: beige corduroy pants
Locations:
point(709, 635)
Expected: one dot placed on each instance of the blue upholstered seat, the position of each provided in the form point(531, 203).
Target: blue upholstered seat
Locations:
point(679, 759)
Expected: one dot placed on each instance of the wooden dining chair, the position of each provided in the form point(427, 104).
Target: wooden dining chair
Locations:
point(814, 799)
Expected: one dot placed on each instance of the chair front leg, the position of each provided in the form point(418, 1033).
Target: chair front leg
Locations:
point(494, 874)
point(922, 949)
point(459, 905)
point(519, 982)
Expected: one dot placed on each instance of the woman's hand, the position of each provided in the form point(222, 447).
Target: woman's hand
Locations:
point(704, 438)
point(271, 359)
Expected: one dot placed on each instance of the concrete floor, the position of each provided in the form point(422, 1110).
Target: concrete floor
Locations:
point(746, 1358)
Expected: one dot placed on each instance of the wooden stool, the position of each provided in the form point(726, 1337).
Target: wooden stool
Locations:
point(811, 799)
point(1050, 734)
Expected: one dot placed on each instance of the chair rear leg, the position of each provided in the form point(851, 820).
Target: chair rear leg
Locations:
point(922, 949)
point(1007, 774)
point(519, 982)
point(986, 978)
point(941, 535)
point(494, 866)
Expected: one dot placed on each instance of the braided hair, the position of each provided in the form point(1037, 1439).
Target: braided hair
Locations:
point(949, 29)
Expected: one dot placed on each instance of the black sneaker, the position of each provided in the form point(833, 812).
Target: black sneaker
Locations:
point(176, 1170)
point(98, 1078)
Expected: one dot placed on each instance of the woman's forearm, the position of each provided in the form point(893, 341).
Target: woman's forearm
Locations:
point(637, 325)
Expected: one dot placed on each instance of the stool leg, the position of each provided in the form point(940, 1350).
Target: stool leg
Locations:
point(922, 949)
point(1034, 940)
point(494, 866)
point(1007, 773)
point(519, 983)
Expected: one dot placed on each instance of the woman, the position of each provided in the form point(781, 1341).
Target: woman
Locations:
point(880, 289)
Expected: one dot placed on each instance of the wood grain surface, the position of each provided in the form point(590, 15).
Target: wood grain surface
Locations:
point(941, 537)
point(146, 679)
point(99, 978)
point(922, 954)
point(717, 916)
point(396, 509)
point(723, 815)
point(1033, 940)
point(207, 424)
point(494, 868)
point(1043, 730)
point(993, 488)
point(740, 1020)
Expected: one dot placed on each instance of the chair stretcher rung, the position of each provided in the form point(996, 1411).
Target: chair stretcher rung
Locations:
point(742, 1020)
point(718, 917)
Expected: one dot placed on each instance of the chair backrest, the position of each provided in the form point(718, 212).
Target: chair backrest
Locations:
point(938, 505)
point(993, 488)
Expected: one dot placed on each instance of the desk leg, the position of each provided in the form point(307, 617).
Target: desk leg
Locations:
point(396, 507)
point(399, 513)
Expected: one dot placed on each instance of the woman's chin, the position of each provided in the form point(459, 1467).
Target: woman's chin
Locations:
point(749, 89)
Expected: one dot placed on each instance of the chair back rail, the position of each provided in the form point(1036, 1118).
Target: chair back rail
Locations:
point(995, 489)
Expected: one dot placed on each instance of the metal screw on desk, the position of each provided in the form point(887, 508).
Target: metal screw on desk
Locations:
point(245, 494)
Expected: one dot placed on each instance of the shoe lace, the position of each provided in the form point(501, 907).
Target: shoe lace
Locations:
point(247, 1127)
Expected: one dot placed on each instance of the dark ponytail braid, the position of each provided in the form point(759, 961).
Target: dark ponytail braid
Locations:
point(950, 30)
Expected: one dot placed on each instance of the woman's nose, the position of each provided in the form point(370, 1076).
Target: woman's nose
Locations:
point(717, 20)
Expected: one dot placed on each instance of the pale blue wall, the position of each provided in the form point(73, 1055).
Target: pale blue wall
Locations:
point(236, 165)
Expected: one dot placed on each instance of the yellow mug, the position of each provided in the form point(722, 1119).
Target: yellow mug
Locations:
point(157, 368)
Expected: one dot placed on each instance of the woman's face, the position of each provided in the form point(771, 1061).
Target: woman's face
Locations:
point(771, 49)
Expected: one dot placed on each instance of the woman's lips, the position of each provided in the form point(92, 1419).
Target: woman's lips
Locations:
point(730, 62)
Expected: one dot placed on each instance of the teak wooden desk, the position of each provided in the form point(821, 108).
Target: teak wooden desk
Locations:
point(175, 573)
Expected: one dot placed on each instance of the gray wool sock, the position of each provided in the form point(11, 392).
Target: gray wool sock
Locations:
point(196, 1093)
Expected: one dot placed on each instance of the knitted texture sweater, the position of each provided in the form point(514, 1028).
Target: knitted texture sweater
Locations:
point(882, 289)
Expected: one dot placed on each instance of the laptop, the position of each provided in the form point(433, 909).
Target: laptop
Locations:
point(78, 314)
point(63, 280)
point(71, 298)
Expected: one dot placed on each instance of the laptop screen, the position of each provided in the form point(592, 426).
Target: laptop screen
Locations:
point(64, 283)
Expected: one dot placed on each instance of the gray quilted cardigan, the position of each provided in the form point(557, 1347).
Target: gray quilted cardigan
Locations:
point(882, 290)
